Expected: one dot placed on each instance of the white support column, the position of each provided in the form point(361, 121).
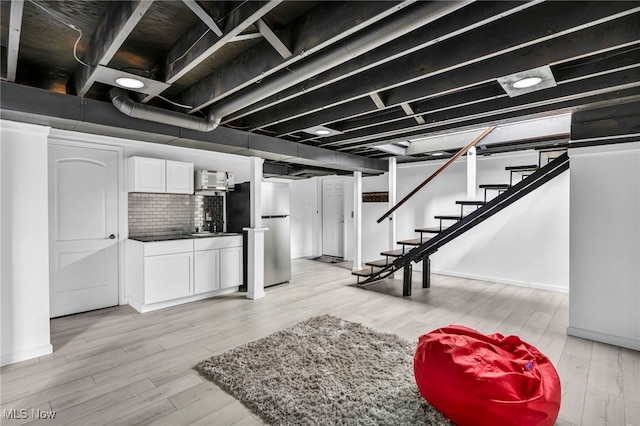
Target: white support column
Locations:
point(255, 260)
point(471, 174)
point(255, 186)
point(392, 203)
point(357, 220)
point(255, 249)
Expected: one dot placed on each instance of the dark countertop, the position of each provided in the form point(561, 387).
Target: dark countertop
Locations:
point(170, 237)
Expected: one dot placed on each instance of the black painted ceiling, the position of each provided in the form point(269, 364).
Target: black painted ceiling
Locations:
point(378, 72)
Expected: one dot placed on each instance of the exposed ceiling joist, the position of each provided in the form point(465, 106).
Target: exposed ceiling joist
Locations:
point(13, 44)
point(396, 26)
point(198, 43)
point(455, 23)
point(373, 74)
point(118, 22)
point(328, 24)
point(500, 110)
point(204, 16)
point(273, 39)
point(463, 63)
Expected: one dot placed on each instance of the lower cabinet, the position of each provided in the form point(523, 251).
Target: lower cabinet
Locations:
point(231, 274)
point(166, 273)
point(218, 263)
point(167, 277)
point(207, 269)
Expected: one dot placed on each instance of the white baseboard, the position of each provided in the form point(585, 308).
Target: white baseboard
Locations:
point(541, 286)
point(610, 339)
point(14, 357)
point(161, 305)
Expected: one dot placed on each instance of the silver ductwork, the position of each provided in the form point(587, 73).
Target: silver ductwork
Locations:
point(121, 100)
point(397, 26)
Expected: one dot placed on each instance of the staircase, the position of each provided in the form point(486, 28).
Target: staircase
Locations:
point(451, 226)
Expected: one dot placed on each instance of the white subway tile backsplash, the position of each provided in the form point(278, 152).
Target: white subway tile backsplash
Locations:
point(153, 214)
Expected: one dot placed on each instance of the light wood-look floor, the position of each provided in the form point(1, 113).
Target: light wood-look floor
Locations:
point(115, 366)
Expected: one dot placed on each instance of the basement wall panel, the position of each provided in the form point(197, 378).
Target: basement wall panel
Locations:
point(604, 301)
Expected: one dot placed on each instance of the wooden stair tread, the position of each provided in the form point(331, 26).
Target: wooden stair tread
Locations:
point(431, 230)
point(527, 168)
point(495, 186)
point(363, 272)
point(414, 241)
point(471, 203)
point(448, 217)
point(380, 263)
point(394, 253)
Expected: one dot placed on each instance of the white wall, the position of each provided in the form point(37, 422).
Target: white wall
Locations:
point(304, 217)
point(24, 232)
point(525, 244)
point(604, 302)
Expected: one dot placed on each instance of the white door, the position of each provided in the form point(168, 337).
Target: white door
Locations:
point(333, 217)
point(83, 229)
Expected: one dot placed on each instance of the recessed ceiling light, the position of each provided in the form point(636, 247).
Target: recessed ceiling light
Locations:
point(527, 82)
point(322, 131)
point(437, 154)
point(129, 83)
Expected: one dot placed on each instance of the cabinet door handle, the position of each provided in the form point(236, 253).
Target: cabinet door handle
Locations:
point(111, 237)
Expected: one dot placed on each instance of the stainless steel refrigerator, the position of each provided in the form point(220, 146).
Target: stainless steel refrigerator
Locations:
point(275, 216)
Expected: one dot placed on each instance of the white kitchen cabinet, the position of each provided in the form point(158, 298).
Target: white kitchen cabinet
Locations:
point(167, 277)
point(166, 273)
point(207, 270)
point(179, 177)
point(147, 174)
point(218, 263)
point(158, 175)
point(231, 267)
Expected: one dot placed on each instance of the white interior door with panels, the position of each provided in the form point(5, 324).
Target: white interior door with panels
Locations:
point(83, 231)
point(333, 217)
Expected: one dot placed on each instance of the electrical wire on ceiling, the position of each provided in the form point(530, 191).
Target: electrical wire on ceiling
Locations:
point(174, 103)
point(218, 21)
point(73, 27)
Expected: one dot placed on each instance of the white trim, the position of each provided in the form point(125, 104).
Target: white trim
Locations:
point(161, 305)
point(25, 128)
point(12, 358)
point(623, 342)
point(541, 286)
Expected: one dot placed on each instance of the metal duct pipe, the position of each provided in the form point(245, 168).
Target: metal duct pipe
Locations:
point(121, 100)
point(398, 25)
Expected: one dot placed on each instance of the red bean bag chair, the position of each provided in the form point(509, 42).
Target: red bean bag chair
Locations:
point(477, 379)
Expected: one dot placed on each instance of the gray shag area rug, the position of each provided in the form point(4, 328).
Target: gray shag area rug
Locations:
point(325, 371)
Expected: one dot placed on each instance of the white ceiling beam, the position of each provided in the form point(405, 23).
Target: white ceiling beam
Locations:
point(273, 39)
point(377, 100)
point(204, 16)
point(409, 111)
point(247, 36)
point(13, 44)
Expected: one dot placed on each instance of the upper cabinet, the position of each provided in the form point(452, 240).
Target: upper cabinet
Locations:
point(157, 175)
point(179, 177)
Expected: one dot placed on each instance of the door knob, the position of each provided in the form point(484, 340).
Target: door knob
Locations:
point(112, 237)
